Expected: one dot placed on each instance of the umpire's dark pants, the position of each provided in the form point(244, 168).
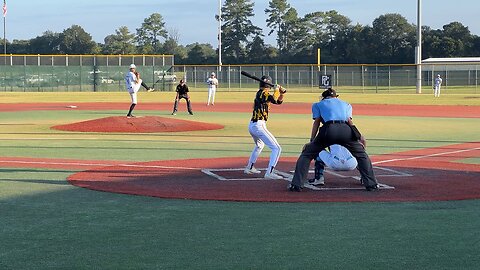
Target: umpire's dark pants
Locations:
point(338, 133)
point(186, 97)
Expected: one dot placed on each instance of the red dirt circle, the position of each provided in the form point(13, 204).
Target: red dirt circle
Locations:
point(407, 176)
point(144, 124)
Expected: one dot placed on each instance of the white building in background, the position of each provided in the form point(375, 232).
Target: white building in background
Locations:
point(455, 71)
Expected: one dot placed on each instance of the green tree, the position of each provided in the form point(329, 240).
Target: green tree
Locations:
point(171, 46)
point(201, 54)
point(17, 46)
point(459, 38)
point(276, 20)
point(358, 45)
point(120, 43)
point(48, 43)
point(237, 28)
point(75, 40)
point(257, 51)
point(393, 39)
point(149, 34)
point(474, 49)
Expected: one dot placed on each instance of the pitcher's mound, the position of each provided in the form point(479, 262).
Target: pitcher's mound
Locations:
point(145, 124)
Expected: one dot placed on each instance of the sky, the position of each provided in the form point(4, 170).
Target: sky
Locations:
point(194, 20)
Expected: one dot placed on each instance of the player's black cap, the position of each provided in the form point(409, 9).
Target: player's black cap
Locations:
point(329, 93)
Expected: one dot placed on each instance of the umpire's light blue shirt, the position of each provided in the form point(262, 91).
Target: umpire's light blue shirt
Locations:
point(331, 109)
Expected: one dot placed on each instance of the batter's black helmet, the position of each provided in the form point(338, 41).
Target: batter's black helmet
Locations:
point(266, 80)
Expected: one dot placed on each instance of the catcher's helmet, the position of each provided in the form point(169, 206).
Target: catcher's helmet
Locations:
point(266, 80)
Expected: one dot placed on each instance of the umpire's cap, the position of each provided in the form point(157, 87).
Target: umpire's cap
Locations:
point(266, 81)
point(329, 93)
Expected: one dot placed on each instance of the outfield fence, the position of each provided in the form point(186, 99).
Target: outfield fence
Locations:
point(47, 73)
point(348, 78)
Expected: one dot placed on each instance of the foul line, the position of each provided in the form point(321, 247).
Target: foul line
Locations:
point(96, 164)
point(425, 156)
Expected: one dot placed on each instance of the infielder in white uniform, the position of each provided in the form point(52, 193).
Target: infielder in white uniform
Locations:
point(212, 88)
point(258, 128)
point(437, 85)
point(337, 159)
point(133, 84)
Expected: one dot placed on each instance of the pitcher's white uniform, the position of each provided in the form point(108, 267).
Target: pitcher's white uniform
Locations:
point(437, 85)
point(133, 85)
point(212, 88)
point(338, 159)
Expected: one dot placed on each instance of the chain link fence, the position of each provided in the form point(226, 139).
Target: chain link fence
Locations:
point(49, 73)
point(46, 73)
point(347, 78)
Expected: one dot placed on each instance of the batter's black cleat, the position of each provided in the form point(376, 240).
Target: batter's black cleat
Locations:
point(294, 188)
point(372, 188)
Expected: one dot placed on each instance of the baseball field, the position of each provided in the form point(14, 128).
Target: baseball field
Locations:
point(83, 187)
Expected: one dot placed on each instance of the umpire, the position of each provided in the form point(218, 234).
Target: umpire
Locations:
point(182, 92)
point(335, 115)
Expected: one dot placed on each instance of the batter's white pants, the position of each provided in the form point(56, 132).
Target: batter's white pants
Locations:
point(133, 91)
point(211, 95)
point(261, 137)
point(436, 91)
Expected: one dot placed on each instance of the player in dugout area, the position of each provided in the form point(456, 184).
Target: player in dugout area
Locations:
point(258, 128)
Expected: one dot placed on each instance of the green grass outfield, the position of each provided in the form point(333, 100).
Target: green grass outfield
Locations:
point(48, 224)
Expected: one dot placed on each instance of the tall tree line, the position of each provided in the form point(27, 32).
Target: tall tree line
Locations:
point(389, 39)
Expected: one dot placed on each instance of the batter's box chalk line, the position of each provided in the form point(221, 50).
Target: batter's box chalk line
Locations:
point(215, 173)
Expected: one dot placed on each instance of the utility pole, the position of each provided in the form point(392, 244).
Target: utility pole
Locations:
point(418, 51)
point(220, 33)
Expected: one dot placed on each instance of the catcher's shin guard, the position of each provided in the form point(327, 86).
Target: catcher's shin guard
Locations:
point(319, 168)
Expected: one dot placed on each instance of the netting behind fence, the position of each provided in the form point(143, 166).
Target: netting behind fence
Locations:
point(46, 73)
point(106, 73)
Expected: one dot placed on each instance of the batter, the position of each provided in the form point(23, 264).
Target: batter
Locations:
point(258, 128)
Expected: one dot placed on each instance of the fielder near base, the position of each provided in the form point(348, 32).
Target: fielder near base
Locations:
point(212, 88)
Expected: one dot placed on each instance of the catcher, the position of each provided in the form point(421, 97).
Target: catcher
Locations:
point(182, 92)
point(258, 128)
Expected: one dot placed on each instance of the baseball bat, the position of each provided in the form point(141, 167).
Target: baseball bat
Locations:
point(246, 74)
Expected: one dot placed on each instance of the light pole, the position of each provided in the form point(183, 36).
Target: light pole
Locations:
point(220, 33)
point(418, 49)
